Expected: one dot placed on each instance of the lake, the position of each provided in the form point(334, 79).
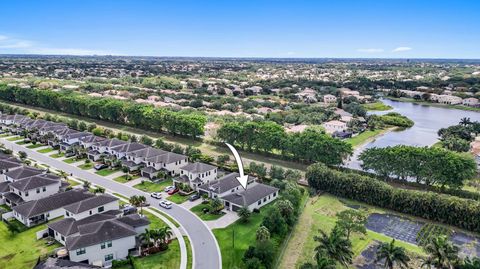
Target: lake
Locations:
point(428, 120)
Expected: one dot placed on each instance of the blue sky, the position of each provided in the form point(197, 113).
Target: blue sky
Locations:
point(235, 28)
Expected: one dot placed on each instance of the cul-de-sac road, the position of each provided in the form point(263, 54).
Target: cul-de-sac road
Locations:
point(205, 248)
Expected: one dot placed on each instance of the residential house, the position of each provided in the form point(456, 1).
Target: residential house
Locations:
point(223, 186)
point(334, 126)
point(104, 148)
point(449, 99)
point(88, 141)
point(32, 188)
point(90, 206)
point(196, 174)
point(72, 139)
point(470, 102)
point(170, 163)
point(254, 197)
point(330, 99)
point(22, 172)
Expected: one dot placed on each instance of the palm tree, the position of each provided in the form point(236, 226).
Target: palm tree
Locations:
point(99, 189)
point(263, 234)
point(216, 205)
point(325, 263)
point(335, 246)
point(465, 121)
point(442, 252)
point(138, 201)
point(86, 184)
point(427, 263)
point(244, 213)
point(392, 255)
point(165, 235)
point(63, 174)
point(146, 237)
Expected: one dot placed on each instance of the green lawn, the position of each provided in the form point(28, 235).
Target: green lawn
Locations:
point(244, 237)
point(166, 216)
point(5, 135)
point(148, 186)
point(364, 137)
point(73, 183)
point(21, 250)
point(72, 160)
point(198, 210)
point(319, 213)
point(6, 207)
point(57, 155)
point(15, 138)
point(177, 198)
point(21, 142)
point(106, 172)
point(189, 253)
point(123, 178)
point(377, 106)
point(34, 146)
point(86, 166)
point(45, 150)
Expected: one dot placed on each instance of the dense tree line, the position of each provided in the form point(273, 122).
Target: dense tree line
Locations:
point(447, 209)
point(309, 146)
point(117, 111)
point(458, 137)
point(430, 166)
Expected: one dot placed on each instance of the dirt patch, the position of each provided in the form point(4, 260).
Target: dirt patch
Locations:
point(7, 257)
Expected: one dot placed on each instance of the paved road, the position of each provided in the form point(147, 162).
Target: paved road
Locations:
point(205, 250)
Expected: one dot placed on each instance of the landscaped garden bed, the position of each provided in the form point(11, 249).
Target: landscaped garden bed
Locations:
point(203, 211)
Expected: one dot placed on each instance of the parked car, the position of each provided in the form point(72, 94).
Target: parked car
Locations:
point(194, 197)
point(165, 204)
point(173, 191)
point(100, 166)
point(156, 195)
point(169, 188)
point(69, 154)
point(129, 209)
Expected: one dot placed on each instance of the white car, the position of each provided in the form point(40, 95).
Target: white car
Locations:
point(166, 204)
point(156, 195)
point(169, 188)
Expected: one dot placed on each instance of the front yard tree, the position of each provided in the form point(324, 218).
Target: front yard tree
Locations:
point(216, 205)
point(263, 234)
point(99, 189)
point(392, 255)
point(86, 184)
point(22, 155)
point(244, 214)
point(352, 220)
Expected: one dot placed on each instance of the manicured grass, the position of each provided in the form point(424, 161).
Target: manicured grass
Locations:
point(198, 210)
point(21, 250)
point(6, 207)
point(377, 106)
point(86, 166)
point(148, 186)
point(72, 160)
point(123, 179)
point(106, 172)
point(57, 155)
point(166, 216)
point(177, 198)
point(45, 150)
point(5, 135)
point(15, 138)
point(362, 138)
point(244, 237)
point(21, 142)
point(72, 183)
point(189, 253)
point(34, 146)
point(320, 213)
point(163, 260)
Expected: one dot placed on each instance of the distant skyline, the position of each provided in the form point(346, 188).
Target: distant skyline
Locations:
point(261, 28)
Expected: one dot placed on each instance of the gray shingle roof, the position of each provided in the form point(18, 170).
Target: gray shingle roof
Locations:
point(134, 220)
point(198, 167)
point(90, 203)
point(23, 172)
point(251, 195)
point(4, 186)
point(69, 226)
point(34, 182)
point(53, 263)
point(168, 157)
point(224, 183)
point(98, 232)
point(147, 152)
point(130, 147)
point(111, 143)
point(58, 200)
point(13, 197)
point(9, 164)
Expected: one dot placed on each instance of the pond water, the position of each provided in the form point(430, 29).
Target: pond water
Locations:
point(428, 120)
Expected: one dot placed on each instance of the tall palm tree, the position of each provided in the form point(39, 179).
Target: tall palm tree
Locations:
point(335, 246)
point(86, 184)
point(138, 201)
point(325, 263)
point(166, 234)
point(244, 213)
point(427, 263)
point(442, 252)
point(465, 121)
point(392, 255)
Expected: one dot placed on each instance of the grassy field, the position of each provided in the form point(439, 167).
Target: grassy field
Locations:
point(45, 150)
point(15, 138)
point(319, 213)
point(364, 137)
point(377, 106)
point(244, 234)
point(86, 166)
point(198, 210)
point(106, 172)
point(57, 155)
point(123, 178)
point(148, 186)
point(411, 100)
point(177, 198)
point(21, 250)
point(35, 146)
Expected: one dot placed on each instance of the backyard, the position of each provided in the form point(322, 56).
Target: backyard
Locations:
point(21, 250)
point(364, 137)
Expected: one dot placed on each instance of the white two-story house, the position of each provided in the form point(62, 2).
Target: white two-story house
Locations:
point(91, 206)
point(196, 174)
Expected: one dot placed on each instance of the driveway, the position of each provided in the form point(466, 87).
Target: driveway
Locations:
point(205, 249)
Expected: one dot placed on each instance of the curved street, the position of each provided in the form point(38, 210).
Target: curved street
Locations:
point(205, 250)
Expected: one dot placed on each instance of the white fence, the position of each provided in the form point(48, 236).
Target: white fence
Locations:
point(41, 234)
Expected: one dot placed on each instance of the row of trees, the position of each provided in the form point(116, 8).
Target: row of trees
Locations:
point(463, 213)
point(311, 145)
point(118, 111)
point(430, 166)
point(458, 137)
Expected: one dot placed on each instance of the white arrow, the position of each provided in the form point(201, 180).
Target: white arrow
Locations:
point(242, 178)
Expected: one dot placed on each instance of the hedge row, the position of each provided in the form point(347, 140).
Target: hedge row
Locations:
point(443, 208)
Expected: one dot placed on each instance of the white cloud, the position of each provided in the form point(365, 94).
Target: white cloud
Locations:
point(67, 51)
point(291, 53)
point(371, 50)
point(400, 49)
point(3, 37)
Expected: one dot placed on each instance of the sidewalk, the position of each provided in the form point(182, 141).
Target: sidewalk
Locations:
point(229, 218)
